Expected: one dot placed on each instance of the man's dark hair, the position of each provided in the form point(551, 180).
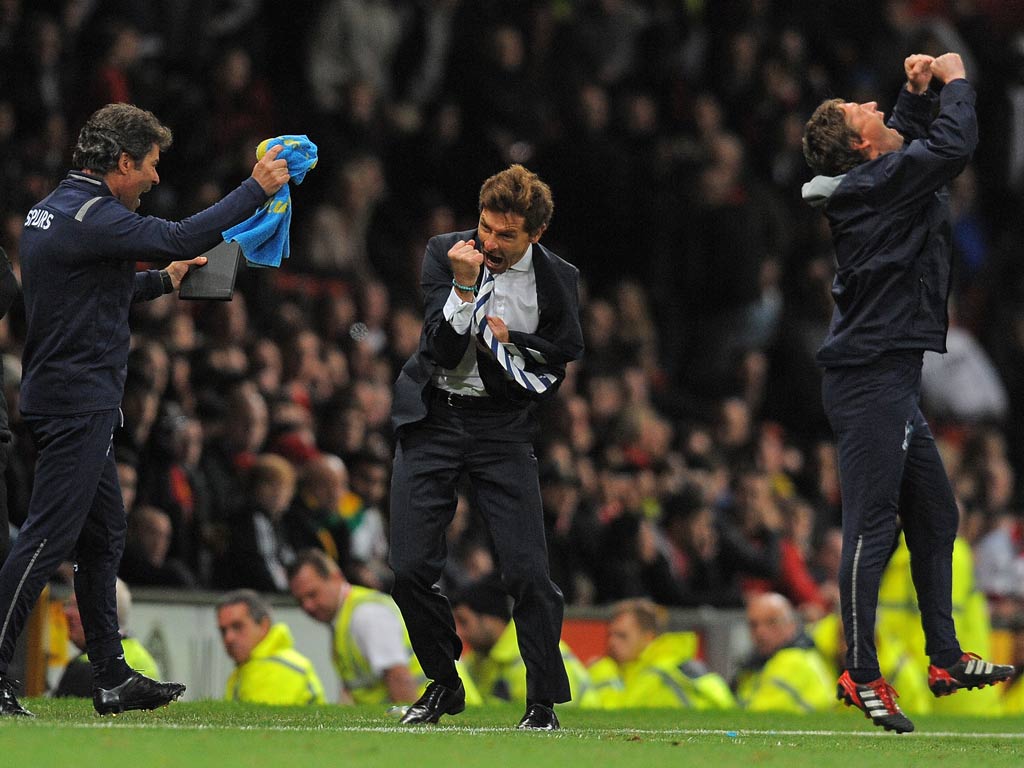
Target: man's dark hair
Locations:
point(114, 129)
point(517, 190)
point(828, 140)
point(258, 608)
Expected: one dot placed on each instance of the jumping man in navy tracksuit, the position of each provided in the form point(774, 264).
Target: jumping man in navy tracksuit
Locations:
point(78, 252)
point(883, 188)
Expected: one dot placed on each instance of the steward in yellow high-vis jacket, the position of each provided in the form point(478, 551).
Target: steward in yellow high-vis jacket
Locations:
point(647, 668)
point(364, 635)
point(786, 673)
point(268, 668)
point(371, 650)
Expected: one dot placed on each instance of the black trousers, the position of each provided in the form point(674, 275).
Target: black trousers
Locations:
point(494, 448)
point(76, 505)
point(889, 465)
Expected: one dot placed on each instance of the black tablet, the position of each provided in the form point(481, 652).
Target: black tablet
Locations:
point(216, 280)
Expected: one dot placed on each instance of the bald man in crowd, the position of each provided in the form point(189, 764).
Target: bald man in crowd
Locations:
point(785, 673)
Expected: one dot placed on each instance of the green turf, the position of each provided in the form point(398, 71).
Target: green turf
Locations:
point(217, 734)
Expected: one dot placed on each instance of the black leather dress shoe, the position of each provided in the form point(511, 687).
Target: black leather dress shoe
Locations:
point(539, 718)
point(436, 701)
point(136, 692)
point(9, 702)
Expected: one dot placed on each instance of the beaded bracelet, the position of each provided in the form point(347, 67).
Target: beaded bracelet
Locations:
point(461, 287)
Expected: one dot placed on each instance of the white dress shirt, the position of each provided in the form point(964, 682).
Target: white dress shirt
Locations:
point(514, 300)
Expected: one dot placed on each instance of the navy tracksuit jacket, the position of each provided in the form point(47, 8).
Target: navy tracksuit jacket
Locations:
point(78, 252)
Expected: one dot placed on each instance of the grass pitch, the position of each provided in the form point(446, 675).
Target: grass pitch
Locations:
point(221, 735)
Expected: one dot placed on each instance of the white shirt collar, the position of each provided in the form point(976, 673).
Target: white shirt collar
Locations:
point(524, 264)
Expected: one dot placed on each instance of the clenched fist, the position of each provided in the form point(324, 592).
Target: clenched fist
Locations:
point(948, 66)
point(919, 72)
point(465, 261)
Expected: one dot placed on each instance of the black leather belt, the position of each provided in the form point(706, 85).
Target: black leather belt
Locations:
point(465, 402)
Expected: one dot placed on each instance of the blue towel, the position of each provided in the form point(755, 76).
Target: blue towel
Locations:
point(264, 235)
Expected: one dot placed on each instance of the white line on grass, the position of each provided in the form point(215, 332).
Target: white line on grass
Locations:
point(474, 731)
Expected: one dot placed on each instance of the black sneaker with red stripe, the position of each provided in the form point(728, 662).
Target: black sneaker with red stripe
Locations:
point(877, 700)
point(971, 671)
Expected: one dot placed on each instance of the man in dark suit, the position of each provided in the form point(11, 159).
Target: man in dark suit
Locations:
point(501, 321)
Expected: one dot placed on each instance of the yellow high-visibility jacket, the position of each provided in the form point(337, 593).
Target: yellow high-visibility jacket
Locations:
point(664, 675)
point(794, 679)
point(275, 674)
point(354, 671)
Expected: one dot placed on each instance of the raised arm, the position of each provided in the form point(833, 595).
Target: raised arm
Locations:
point(445, 344)
point(935, 159)
point(914, 106)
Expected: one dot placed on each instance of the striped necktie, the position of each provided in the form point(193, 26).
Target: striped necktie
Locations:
point(514, 365)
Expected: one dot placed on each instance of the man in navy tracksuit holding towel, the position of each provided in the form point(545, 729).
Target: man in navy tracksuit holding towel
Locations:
point(78, 252)
point(883, 188)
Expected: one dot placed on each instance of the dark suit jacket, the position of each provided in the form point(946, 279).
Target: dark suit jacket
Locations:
point(557, 341)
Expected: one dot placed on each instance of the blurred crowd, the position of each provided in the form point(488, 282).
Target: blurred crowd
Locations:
point(687, 458)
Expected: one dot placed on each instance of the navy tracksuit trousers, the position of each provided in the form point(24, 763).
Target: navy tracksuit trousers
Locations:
point(888, 466)
point(75, 511)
